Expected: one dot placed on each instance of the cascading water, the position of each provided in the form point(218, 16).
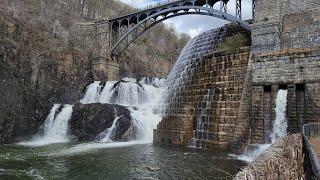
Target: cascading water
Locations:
point(181, 76)
point(280, 123)
point(107, 92)
point(106, 136)
point(92, 93)
point(279, 128)
point(143, 96)
point(55, 128)
point(201, 133)
point(129, 92)
point(141, 104)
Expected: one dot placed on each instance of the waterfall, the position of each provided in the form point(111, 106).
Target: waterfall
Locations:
point(140, 97)
point(143, 95)
point(279, 129)
point(146, 120)
point(280, 123)
point(106, 136)
point(201, 133)
point(48, 123)
point(107, 92)
point(55, 128)
point(129, 94)
point(92, 93)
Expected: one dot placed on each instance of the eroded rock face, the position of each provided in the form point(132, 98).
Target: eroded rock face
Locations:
point(36, 71)
point(90, 120)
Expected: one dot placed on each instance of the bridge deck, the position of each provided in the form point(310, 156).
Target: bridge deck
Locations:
point(147, 8)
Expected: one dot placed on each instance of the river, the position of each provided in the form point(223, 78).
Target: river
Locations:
point(97, 161)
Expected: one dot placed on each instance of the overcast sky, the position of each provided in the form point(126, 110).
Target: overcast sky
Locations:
point(195, 24)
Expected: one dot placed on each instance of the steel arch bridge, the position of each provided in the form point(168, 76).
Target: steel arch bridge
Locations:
point(122, 31)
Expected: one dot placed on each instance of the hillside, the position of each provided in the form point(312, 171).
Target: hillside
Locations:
point(45, 60)
point(160, 46)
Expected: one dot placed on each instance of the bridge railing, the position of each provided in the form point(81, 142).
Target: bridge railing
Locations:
point(158, 4)
point(312, 162)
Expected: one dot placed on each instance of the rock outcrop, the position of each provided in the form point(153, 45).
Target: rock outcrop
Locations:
point(90, 120)
point(36, 70)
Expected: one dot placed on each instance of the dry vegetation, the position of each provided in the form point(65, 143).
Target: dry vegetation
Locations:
point(284, 160)
point(234, 43)
point(160, 46)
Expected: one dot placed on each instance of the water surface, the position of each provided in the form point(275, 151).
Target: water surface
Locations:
point(128, 161)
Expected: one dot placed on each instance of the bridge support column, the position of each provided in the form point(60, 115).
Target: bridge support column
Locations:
point(105, 68)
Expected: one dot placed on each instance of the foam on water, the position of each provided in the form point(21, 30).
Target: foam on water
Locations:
point(251, 156)
point(145, 120)
point(92, 146)
point(108, 133)
point(139, 97)
point(55, 128)
point(279, 128)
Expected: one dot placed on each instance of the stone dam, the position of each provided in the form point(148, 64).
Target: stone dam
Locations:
point(225, 100)
point(236, 92)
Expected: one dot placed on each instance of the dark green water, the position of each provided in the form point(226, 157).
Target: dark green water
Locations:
point(144, 161)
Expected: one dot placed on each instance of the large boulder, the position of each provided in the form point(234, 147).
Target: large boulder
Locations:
point(90, 120)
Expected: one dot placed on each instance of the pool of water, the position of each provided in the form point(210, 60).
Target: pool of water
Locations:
point(97, 161)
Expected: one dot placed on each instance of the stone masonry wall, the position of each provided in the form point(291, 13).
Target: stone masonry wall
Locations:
point(282, 24)
point(285, 55)
point(224, 73)
point(296, 70)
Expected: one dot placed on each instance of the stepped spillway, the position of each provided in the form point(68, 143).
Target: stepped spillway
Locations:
point(202, 68)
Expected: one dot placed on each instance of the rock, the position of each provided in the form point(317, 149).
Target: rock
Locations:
point(90, 120)
point(73, 138)
point(36, 71)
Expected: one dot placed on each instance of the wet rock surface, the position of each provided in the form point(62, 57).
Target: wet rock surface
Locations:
point(90, 120)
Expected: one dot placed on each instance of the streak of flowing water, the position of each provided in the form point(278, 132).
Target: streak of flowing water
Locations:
point(280, 124)
point(279, 128)
point(92, 93)
point(107, 92)
point(143, 97)
point(55, 128)
point(201, 133)
point(129, 92)
point(107, 134)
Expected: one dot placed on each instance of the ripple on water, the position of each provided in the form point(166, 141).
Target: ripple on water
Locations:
point(105, 161)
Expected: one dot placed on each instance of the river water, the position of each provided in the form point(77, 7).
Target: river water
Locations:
point(126, 161)
point(50, 154)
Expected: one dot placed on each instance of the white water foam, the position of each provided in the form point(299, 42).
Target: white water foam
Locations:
point(106, 136)
point(280, 124)
point(92, 93)
point(146, 121)
point(107, 92)
point(55, 128)
point(279, 128)
point(251, 156)
point(140, 98)
point(92, 146)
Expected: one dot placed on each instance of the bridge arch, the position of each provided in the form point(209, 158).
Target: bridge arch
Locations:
point(146, 20)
